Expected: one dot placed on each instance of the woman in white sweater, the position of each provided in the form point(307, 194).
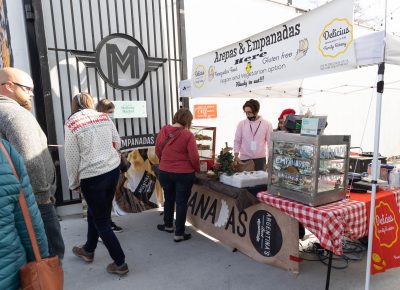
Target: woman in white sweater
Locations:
point(92, 159)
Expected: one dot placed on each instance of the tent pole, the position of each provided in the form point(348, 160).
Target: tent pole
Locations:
point(375, 170)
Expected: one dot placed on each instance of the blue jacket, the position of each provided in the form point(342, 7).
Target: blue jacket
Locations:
point(15, 245)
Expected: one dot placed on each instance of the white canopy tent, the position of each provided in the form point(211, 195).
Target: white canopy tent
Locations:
point(372, 49)
point(330, 93)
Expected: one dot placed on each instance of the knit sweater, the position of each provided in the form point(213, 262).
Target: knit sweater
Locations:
point(20, 128)
point(91, 144)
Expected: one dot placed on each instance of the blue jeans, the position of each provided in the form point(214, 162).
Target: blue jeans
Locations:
point(177, 188)
point(53, 229)
point(99, 193)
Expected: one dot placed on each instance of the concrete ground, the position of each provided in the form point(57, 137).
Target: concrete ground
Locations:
point(157, 262)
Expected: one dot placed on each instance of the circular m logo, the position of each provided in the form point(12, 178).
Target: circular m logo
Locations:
point(120, 60)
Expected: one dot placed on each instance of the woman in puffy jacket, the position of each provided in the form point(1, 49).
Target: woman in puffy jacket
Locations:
point(15, 245)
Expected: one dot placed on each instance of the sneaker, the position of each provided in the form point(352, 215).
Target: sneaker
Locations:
point(163, 228)
point(185, 237)
point(80, 252)
point(115, 228)
point(119, 270)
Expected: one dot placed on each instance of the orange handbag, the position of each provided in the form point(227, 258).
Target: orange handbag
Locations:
point(41, 274)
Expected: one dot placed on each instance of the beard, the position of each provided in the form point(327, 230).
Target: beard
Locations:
point(27, 105)
point(24, 102)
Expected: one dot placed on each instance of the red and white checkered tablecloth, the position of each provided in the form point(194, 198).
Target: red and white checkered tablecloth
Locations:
point(329, 223)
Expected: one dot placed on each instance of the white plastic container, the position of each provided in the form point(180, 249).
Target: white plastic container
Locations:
point(245, 179)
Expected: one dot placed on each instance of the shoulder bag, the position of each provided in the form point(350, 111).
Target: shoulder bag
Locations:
point(41, 274)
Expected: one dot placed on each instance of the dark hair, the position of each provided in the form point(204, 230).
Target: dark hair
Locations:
point(253, 104)
point(81, 101)
point(184, 117)
point(104, 105)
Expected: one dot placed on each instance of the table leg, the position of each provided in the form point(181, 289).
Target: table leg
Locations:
point(328, 274)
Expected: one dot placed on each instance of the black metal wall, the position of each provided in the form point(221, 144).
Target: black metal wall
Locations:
point(62, 26)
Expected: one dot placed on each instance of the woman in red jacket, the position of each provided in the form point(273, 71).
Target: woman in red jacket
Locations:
point(179, 160)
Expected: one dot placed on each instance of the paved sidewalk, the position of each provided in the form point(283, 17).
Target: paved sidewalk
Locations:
point(157, 262)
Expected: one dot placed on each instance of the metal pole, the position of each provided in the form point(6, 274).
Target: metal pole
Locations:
point(328, 275)
point(375, 170)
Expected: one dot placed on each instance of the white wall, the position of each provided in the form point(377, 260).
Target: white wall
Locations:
point(16, 20)
point(19, 44)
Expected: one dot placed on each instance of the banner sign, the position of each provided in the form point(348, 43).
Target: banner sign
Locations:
point(138, 141)
point(318, 42)
point(205, 111)
point(259, 231)
point(386, 239)
point(130, 109)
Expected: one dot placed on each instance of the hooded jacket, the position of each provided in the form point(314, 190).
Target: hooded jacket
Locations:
point(180, 154)
point(15, 245)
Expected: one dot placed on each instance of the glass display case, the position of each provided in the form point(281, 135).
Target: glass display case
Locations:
point(308, 169)
point(205, 139)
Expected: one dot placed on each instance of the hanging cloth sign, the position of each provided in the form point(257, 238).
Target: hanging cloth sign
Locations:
point(386, 239)
point(315, 43)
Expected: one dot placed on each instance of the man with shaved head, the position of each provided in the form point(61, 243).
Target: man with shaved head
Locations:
point(20, 128)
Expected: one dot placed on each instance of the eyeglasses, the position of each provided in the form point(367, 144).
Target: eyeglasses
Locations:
point(25, 88)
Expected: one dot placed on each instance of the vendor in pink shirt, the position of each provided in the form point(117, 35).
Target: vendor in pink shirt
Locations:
point(252, 136)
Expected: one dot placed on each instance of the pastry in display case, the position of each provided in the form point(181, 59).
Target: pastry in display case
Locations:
point(205, 139)
point(308, 169)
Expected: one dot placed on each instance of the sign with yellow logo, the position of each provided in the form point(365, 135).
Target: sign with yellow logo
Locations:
point(317, 42)
point(386, 244)
point(336, 37)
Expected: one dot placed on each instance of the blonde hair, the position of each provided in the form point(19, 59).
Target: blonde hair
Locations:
point(81, 101)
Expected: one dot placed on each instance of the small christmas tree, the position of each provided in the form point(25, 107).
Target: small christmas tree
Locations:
point(225, 161)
